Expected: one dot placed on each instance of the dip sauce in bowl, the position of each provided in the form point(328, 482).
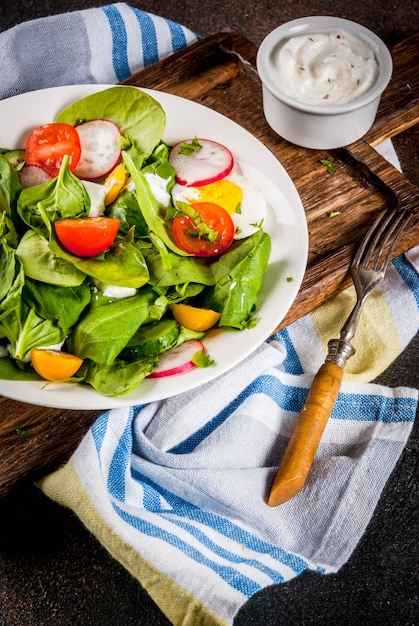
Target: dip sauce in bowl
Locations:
point(325, 68)
point(322, 80)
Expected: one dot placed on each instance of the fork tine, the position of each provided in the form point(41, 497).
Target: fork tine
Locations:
point(392, 232)
point(400, 223)
point(370, 238)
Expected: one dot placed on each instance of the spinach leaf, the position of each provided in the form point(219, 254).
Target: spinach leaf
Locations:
point(105, 330)
point(239, 274)
point(123, 265)
point(8, 232)
point(139, 117)
point(167, 269)
point(40, 263)
point(10, 187)
point(119, 377)
point(26, 330)
point(62, 197)
point(126, 209)
point(64, 305)
point(22, 326)
point(153, 212)
point(158, 163)
point(9, 267)
point(11, 370)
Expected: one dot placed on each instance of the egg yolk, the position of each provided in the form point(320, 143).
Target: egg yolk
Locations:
point(222, 192)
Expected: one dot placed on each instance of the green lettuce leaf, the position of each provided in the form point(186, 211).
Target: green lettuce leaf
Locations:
point(139, 117)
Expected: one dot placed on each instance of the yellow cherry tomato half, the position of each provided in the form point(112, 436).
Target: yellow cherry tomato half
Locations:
point(114, 183)
point(54, 364)
point(194, 318)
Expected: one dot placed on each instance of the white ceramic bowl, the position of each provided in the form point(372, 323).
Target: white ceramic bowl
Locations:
point(315, 125)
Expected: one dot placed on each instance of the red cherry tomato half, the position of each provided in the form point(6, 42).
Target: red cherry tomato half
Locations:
point(186, 233)
point(48, 144)
point(88, 236)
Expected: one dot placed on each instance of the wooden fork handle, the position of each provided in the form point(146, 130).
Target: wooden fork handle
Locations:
point(302, 446)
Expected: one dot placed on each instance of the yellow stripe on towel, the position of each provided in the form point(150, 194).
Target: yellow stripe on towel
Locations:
point(180, 607)
point(377, 340)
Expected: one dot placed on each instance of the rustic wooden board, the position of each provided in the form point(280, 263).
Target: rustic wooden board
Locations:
point(219, 72)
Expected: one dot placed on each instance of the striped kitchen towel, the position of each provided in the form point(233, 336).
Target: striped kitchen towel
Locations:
point(175, 490)
point(99, 45)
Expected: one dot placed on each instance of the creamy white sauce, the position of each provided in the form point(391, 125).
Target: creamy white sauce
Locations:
point(97, 195)
point(158, 187)
point(325, 68)
point(114, 291)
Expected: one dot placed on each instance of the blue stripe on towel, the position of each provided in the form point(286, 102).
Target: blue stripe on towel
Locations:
point(391, 410)
point(291, 363)
point(121, 460)
point(98, 430)
point(184, 509)
point(148, 38)
point(119, 42)
point(409, 275)
point(353, 407)
point(229, 574)
point(178, 36)
point(267, 385)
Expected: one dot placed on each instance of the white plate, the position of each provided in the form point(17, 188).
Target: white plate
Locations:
point(286, 224)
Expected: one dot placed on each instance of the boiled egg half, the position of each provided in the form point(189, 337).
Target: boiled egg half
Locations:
point(236, 194)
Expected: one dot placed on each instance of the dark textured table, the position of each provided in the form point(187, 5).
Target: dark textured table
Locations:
point(52, 571)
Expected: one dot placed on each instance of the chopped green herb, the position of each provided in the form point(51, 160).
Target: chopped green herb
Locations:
point(23, 434)
point(202, 359)
point(258, 225)
point(190, 147)
point(252, 322)
point(334, 213)
point(289, 279)
point(203, 231)
point(328, 163)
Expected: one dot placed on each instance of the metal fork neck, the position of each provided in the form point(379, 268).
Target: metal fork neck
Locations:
point(339, 351)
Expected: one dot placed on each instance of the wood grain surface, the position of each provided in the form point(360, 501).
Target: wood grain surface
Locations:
point(219, 72)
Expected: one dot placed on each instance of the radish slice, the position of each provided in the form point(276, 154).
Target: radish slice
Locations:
point(100, 150)
point(203, 166)
point(177, 360)
point(32, 175)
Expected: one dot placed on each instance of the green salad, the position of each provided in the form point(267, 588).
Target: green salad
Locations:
point(113, 307)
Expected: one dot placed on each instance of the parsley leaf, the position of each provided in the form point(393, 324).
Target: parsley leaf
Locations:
point(23, 434)
point(202, 359)
point(328, 163)
point(190, 147)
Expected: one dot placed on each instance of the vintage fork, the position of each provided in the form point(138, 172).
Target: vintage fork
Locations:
point(367, 269)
